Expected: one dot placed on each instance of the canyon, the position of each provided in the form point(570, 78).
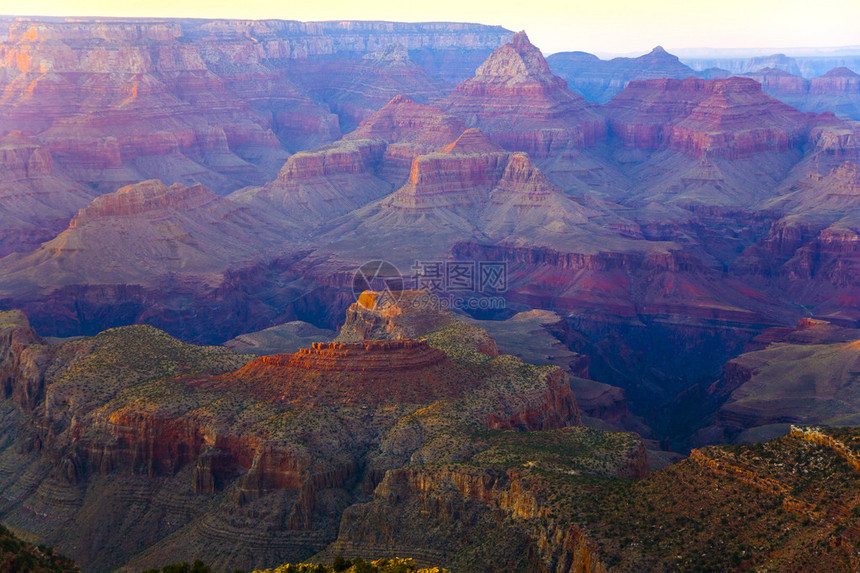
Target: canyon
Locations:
point(204, 425)
point(682, 214)
point(191, 366)
point(230, 459)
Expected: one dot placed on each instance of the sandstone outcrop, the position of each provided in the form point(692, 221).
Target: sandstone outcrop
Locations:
point(141, 233)
point(108, 103)
point(372, 372)
point(38, 199)
point(316, 186)
point(283, 440)
point(731, 118)
point(516, 100)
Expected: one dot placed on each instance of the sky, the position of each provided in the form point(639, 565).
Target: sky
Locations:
point(596, 26)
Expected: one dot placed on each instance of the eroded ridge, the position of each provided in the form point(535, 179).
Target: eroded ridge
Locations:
point(369, 356)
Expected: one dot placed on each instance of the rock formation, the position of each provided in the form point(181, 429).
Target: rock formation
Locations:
point(802, 376)
point(316, 186)
point(38, 199)
point(730, 117)
point(295, 437)
point(91, 106)
point(516, 100)
point(837, 91)
point(599, 80)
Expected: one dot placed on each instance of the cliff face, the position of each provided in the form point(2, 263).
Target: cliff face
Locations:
point(284, 441)
point(38, 198)
point(108, 103)
point(753, 487)
point(316, 186)
point(442, 497)
point(144, 232)
point(516, 100)
point(730, 117)
point(758, 389)
point(837, 91)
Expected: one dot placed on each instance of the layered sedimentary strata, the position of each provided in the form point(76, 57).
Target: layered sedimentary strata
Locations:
point(141, 233)
point(316, 186)
point(517, 101)
point(731, 118)
point(284, 441)
point(837, 91)
point(802, 376)
point(38, 199)
point(107, 103)
point(355, 88)
point(371, 372)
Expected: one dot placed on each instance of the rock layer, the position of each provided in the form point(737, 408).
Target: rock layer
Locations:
point(731, 118)
point(516, 100)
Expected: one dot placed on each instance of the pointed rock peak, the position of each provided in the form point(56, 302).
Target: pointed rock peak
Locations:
point(520, 167)
point(841, 72)
point(658, 54)
point(518, 60)
point(520, 41)
point(472, 141)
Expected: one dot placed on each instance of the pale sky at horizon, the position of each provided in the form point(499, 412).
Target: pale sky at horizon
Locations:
point(610, 26)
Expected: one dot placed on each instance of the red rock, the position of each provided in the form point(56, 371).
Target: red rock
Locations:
point(402, 120)
point(837, 79)
point(141, 233)
point(723, 118)
point(410, 129)
point(159, 100)
point(316, 186)
point(355, 88)
point(199, 101)
point(516, 100)
point(471, 141)
point(450, 179)
point(372, 372)
point(780, 84)
point(38, 200)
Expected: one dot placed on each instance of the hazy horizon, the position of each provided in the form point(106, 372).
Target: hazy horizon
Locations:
point(617, 27)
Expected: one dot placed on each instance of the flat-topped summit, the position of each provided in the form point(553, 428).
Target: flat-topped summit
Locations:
point(365, 356)
point(366, 372)
point(147, 196)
